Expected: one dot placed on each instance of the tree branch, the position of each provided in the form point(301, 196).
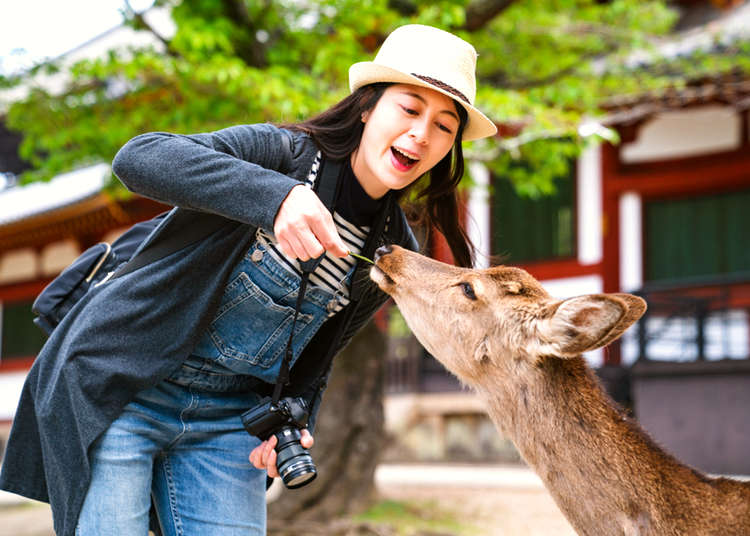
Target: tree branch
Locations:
point(611, 38)
point(480, 12)
point(140, 23)
point(499, 79)
point(513, 145)
point(250, 50)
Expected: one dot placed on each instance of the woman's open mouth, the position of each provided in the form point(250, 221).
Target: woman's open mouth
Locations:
point(401, 160)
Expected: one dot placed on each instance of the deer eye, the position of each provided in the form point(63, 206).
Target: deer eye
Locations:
point(468, 290)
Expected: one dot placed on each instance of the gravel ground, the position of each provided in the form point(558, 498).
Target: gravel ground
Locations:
point(500, 501)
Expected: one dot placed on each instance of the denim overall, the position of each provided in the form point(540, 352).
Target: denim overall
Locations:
point(184, 435)
point(251, 328)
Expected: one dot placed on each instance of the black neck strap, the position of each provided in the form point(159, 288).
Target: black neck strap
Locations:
point(327, 185)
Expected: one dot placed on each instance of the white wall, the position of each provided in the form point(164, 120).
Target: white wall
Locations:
point(631, 242)
point(589, 205)
point(478, 224)
point(679, 133)
point(11, 384)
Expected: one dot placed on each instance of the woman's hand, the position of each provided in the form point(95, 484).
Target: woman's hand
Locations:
point(264, 457)
point(304, 227)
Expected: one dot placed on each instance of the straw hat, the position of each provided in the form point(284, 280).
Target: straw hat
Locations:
point(428, 57)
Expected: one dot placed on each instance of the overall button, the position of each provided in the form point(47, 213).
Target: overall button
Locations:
point(331, 305)
point(256, 255)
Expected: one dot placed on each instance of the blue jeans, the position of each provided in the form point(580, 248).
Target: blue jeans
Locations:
point(183, 447)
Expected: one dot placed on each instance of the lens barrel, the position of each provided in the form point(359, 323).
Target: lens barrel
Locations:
point(293, 461)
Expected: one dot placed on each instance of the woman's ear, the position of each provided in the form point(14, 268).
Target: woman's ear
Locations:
point(365, 115)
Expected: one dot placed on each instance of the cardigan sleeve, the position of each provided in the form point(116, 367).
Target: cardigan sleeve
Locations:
point(240, 172)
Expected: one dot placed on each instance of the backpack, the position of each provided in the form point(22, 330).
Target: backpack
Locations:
point(96, 264)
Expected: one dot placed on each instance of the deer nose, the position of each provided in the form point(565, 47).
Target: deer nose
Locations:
point(382, 250)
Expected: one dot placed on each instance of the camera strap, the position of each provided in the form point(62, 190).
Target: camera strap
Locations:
point(327, 187)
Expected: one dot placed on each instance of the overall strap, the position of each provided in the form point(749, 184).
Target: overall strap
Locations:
point(327, 187)
point(173, 243)
point(355, 294)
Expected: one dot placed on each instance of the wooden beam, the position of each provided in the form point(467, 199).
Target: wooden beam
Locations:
point(83, 221)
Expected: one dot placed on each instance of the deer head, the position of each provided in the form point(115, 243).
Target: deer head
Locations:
point(476, 320)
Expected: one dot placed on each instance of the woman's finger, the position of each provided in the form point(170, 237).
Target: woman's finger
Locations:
point(255, 456)
point(271, 465)
point(326, 234)
point(306, 439)
point(304, 227)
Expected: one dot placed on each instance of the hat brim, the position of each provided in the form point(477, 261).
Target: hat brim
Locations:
point(367, 72)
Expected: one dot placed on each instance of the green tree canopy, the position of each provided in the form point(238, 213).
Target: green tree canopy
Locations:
point(543, 66)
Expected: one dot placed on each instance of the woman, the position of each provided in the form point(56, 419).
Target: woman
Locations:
point(136, 398)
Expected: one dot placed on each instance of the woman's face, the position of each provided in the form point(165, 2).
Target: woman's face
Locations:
point(410, 129)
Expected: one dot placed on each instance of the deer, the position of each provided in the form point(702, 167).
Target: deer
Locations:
point(499, 332)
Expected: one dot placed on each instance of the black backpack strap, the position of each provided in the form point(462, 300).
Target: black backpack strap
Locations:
point(173, 243)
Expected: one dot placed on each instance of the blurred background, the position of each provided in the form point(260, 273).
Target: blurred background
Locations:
point(622, 163)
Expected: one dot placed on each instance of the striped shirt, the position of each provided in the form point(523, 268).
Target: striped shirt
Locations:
point(332, 272)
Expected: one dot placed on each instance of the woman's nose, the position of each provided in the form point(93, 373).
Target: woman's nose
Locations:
point(418, 132)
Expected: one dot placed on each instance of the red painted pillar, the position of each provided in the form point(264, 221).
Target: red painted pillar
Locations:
point(610, 235)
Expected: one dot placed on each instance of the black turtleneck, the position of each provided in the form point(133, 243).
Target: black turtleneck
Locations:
point(353, 203)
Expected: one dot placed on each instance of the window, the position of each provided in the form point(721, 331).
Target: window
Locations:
point(20, 336)
point(697, 236)
point(527, 230)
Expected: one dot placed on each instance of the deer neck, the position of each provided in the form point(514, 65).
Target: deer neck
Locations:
point(602, 470)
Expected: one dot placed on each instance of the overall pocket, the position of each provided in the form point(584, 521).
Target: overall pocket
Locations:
point(250, 326)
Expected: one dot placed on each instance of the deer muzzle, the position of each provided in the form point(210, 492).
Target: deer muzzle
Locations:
point(381, 271)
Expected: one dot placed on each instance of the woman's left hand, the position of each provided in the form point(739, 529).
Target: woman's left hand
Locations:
point(264, 456)
point(304, 227)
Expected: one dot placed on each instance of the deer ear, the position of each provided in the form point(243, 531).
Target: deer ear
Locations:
point(586, 323)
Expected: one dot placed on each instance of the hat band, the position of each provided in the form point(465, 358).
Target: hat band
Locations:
point(443, 86)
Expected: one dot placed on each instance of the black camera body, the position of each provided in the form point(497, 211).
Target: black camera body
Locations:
point(284, 420)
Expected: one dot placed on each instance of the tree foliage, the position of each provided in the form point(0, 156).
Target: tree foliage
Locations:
point(543, 66)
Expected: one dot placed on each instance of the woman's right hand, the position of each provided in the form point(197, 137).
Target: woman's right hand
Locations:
point(264, 456)
point(304, 227)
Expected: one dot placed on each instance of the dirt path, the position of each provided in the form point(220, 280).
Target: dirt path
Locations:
point(499, 501)
point(28, 519)
point(502, 501)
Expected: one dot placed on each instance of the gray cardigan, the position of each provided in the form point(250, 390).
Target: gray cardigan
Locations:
point(131, 332)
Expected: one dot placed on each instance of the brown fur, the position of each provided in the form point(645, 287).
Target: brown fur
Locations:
point(520, 350)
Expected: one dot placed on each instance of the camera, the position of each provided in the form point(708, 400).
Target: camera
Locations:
point(284, 420)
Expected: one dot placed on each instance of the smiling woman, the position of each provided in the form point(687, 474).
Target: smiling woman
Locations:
point(142, 389)
point(408, 132)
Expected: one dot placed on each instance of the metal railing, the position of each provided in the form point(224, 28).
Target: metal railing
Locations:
point(696, 320)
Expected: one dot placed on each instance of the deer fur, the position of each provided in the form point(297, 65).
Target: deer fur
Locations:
point(500, 332)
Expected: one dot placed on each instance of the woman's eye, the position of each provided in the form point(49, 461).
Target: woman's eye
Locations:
point(444, 128)
point(468, 290)
point(409, 111)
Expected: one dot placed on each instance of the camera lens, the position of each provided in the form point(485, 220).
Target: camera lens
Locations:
point(294, 463)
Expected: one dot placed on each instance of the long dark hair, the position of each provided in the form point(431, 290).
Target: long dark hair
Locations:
point(338, 131)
